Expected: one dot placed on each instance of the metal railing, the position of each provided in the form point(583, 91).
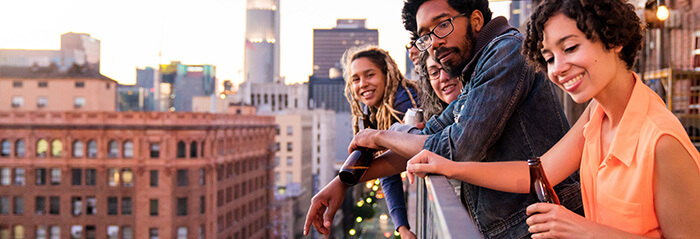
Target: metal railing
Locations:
point(439, 213)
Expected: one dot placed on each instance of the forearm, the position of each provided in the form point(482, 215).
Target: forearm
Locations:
point(403, 144)
point(384, 165)
point(511, 177)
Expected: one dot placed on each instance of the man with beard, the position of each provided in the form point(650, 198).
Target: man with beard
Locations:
point(507, 111)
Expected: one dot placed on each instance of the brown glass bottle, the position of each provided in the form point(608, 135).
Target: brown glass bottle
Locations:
point(540, 188)
point(357, 163)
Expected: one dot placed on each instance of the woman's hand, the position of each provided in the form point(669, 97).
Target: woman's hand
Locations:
point(406, 233)
point(555, 221)
point(427, 162)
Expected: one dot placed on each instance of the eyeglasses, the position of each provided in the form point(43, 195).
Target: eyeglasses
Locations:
point(410, 44)
point(442, 30)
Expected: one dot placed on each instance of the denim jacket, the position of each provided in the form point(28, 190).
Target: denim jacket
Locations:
point(507, 111)
point(393, 185)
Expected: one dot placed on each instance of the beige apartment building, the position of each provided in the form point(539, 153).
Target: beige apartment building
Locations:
point(46, 89)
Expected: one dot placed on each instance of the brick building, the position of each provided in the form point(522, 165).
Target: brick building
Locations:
point(135, 175)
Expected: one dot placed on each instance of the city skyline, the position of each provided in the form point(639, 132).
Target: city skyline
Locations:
point(209, 32)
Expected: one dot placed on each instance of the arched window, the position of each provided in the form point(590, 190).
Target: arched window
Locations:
point(128, 149)
point(113, 151)
point(78, 149)
point(19, 148)
point(56, 148)
point(42, 146)
point(92, 149)
point(6, 148)
point(155, 150)
point(193, 149)
point(181, 149)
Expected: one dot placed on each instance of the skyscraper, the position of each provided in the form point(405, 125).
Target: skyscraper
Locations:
point(262, 49)
point(330, 44)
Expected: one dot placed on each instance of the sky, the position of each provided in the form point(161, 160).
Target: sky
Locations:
point(133, 32)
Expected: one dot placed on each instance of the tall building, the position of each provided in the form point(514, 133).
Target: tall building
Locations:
point(262, 48)
point(276, 97)
point(179, 83)
point(330, 44)
point(35, 88)
point(327, 93)
point(135, 175)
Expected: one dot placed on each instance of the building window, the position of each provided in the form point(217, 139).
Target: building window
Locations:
point(4, 205)
point(193, 150)
point(202, 205)
point(76, 176)
point(127, 233)
point(79, 84)
point(113, 177)
point(17, 84)
point(19, 232)
point(277, 146)
point(181, 149)
point(112, 205)
point(90, 206)
point(154, 207)
point(90, 177)
point(19, 205)
point(128, 149)
point(40, 176)
point(182, 206)
point(79, 102)
point(154, 178)
point(42, 146)
point(55, 176)
point(43, 84)
point(6, 148)
point(78, 149)
point(77, 205)
point(56, 148)
point(277, 161)
point(289, 146)
point(112, 232)
point(126, 206)
point(127, 177)
point(17, 101)
point(40, 206)
point(19, 176)
point(76, 232)
point(277, 130)
point(5, 176)
point(19, 148)
point(42, 101)
point(108, 85)
point(54, 205)
point(289, 177)
point(90, 232)
point(182, 179)
point(155, 150)
point(92, 149)
point(289, 130)
point(202, 176)
point(290, 161)
point(41, 232)
point(113, 150)
point(55, 232)
point(182, 233)
point(153, 233)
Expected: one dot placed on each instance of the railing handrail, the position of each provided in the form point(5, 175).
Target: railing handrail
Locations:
point(438, 201)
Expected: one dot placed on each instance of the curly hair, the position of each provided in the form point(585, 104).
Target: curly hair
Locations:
point(410, 8)
point(613, 22)
point(382, 115)
point(430, 103)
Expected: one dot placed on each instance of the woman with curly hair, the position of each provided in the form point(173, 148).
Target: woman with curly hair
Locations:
point(640, 173)
point(375, 88)
point(437, 88)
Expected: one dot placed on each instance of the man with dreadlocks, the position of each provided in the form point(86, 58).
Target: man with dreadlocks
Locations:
point(375, 87)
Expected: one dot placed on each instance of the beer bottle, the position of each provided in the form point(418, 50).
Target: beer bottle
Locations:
point(540, 188)
point(358, 162)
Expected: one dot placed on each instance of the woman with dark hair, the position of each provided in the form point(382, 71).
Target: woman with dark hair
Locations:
point(375, 88)
point(640, 173)
point(437, 88)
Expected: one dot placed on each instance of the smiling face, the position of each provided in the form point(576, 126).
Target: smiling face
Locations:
point(454, 50)
point(446, 88)
point(368, 81)
point(580, 66)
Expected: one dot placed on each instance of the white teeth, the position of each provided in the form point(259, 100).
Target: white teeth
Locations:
point(366, 93)
point(448, 88)
point(573, 81)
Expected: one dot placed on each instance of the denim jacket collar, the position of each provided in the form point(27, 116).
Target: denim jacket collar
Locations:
point(494, 28)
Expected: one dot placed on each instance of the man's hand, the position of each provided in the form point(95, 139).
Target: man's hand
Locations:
point(323, 207)
point(365, 138)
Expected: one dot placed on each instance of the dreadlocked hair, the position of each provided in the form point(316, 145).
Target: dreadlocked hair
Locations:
point(382, 114)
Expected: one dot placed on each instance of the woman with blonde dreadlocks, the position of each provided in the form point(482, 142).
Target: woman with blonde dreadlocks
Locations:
point(375, 87)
